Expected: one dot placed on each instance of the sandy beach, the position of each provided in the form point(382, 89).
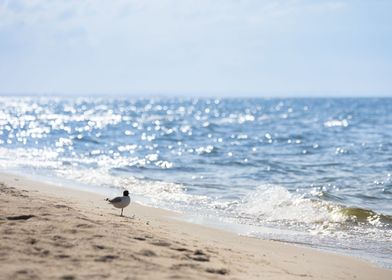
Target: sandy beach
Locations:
point(51, 232)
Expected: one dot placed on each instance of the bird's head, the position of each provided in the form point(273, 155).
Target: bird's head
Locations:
point(125, 193)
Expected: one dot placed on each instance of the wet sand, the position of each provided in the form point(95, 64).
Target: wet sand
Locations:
point(51, 232)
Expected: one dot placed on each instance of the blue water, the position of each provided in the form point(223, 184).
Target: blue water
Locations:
point(307, 171)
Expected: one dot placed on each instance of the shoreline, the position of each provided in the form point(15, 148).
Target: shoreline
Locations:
point(189, 217)
point(155, 244)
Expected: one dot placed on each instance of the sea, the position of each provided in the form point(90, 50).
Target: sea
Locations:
point(314, 172)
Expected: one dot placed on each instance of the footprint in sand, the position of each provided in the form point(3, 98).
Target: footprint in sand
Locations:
point(180, 249)
point(44, 253)
point(25, 274)
point(199, 256)
point(61, 206)
point(61, 241)
point(161, 243)
point(84, 226)
point(185, 265)
point(31, 241)
point(67, 277)
point(140, 238)
point(106, 258)
point(62, 256)
point(99, 247)
point(20, 217)
point(221, 271)
point(147, 253)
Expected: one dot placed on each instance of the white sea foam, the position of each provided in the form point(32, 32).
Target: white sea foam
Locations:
point(157, 193)
point(276, 204)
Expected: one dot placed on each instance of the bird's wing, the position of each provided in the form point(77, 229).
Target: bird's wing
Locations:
point(115, 200)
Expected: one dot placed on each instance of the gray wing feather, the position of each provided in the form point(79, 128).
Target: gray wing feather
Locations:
point(115, 200)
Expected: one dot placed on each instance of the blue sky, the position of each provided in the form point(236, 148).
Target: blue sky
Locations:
point(197, 47)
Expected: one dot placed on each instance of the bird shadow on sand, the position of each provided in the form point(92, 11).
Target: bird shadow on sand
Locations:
point(125, 217)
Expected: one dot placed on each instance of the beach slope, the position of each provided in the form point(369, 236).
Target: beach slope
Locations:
point(50, 232)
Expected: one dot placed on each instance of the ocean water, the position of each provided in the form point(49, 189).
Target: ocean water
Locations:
point(309, 171)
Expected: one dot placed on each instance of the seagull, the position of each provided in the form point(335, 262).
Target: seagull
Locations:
point(120, 201)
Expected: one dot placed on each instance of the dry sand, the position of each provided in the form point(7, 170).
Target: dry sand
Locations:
point(50, 232)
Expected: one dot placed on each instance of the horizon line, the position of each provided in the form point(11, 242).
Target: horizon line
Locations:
point(151, 94)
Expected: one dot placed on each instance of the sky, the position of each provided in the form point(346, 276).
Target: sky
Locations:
point(284, 48)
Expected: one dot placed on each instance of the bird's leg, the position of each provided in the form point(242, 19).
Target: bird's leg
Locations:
point(122, 211)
